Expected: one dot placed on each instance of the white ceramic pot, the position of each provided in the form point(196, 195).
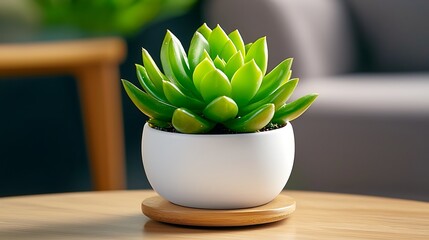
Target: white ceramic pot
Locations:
point(218, 171)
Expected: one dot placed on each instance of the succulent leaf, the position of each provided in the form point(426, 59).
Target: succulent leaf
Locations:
point(288, 75)
point(247, 47)
point(217, 40)
point(234, 63)
point(147, 85)
point(258, 52)
point(177, 98)
point(278, 97)
point(283, 93)
point(150, 106)
point(277, 76)
point(219, 63)
point(205, 31)
point(165, 56)
point(254, 120)
point(238, 41)
point(196, 49)
point(206, 55)
point(245, 83)
point(291, 111)
point(214, 85)
point(186, 121)
point(179, 64)
point(155, 75)
point(221, 109)
point(228, 51)
point(201, 71)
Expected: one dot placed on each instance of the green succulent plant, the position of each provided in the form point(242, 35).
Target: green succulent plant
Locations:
point(221, 81)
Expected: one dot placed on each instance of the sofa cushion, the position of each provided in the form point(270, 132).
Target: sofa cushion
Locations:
point(395, 32)
point(366, 134)
point(370, 94)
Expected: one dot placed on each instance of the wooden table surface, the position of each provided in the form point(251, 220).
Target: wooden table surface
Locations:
point(117, 215)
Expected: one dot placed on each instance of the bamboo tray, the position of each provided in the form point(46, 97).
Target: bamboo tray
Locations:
point(162, 210)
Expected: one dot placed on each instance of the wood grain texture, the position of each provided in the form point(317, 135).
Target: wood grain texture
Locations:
point(117, 215)
point(161, 210)
point(95, 65)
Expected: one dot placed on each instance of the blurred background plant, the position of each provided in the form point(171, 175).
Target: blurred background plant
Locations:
point(32, 20)
point(99, 17)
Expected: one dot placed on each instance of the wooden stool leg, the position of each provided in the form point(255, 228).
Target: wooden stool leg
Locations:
point(100, 95)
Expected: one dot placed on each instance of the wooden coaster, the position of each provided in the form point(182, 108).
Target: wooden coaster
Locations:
point(159, 209)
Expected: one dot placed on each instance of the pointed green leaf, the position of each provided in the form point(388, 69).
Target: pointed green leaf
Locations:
point(245, 83)
point(238, 41)
point(165, 56)
point(291, 111)
point(179, 64)
point(196, 50)
point(247, 47)
point(219, 63)
point(205, 31)
point(278, 97)
point(259, 52)
point(214, 84)
point(150, 106)
point(274, 79)
point(228, 50)
point(176, 97)
point(206, 55)
point(217, 40)
point(288, 75)
point(175, 64)
point(147, 85)
point(155, 75)
point(234, 63)
point(221, 109)
point(252, 121)
point(185, 121)
point(201, 71)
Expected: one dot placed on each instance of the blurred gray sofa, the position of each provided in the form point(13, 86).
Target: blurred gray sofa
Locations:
point(368, 132)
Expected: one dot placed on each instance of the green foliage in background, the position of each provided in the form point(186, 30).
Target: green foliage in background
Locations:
point(220, 81)
point(123, 17)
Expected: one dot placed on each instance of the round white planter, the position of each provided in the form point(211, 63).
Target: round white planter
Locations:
point(218, 171)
